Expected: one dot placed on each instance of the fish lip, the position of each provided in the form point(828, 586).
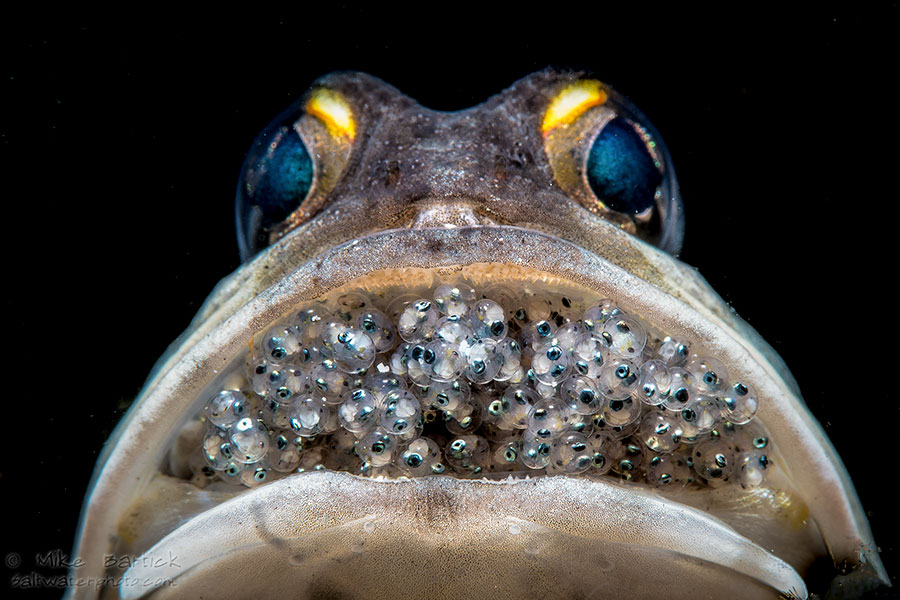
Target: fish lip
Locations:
point(150, 424)
point(306, 504)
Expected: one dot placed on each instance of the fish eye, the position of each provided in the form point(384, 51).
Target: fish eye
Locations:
point(622, 170)
point(277, 177)
point(607, 156)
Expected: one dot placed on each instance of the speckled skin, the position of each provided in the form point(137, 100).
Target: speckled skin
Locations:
point(473, 191)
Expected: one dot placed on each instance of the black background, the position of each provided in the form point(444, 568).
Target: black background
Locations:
point(122, 141)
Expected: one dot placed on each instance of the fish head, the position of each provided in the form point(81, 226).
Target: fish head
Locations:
point(460, 359)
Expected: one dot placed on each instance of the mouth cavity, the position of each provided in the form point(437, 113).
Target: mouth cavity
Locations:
point(446, 378)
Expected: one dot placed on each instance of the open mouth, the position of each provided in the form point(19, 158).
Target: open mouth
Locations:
point(490, 411)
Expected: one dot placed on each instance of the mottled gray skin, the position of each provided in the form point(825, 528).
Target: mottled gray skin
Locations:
point(422, 191)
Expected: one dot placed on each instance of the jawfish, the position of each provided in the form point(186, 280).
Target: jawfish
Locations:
point(461, 361)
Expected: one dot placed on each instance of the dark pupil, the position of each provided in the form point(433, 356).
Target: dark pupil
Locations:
point(428, 356)
point(710, 378)
point(369, 325)
point(413, 460)
point(543, 329)
point(620, 169)
point(497, 327)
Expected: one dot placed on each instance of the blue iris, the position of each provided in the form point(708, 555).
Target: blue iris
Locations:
point(287, 175)
point(621, 170)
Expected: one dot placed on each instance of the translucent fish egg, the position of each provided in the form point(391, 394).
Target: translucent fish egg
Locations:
point(441, 361)
point(377, 448)
point(249, 440)
point(482, 359)
point(454, 299)
point(465, 419)
point(680, 389)
point(627, 457)
point(673, 352)
point(537, 332)
point(281, 343)
point(581, 395)
point(515, 406)
point(488, 320)
point(534, 307)
point(382, 384)
point(283, 455)
point(401, 413)
point(661, 432)
point(669, 471)
point(277, 381)
point(535, 453)
point(330, 382)
point(597, 315)
point(568, 335)
point(354, 352)
point(448, 396)
point(752, 469)
point(349, 302)
point(709, 373)
point(331, 331)
point(700, 416)
point(309, 322)
point(217, 448)
point(417, 321)
point(414, 369)
point(468, 454)
point(421, 457)
point(655, 382)
point(452, 330)
point(739, 403)
point(256, 474)
point(505, 455)
point(621, 412)
point(277, 414)
point(308, 416)
point(226, 408)
point(358, 413)
point(618, 379)
point(572, 453)
point(714, 460)
point(504, 296)
point(551, 363)
point(549, 418)
point(601, 461)
point(624, 336)
point(511, 354)
point(589, 355)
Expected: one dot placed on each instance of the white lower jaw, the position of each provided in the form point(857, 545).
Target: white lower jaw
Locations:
point(674, 299)
point(330, 534)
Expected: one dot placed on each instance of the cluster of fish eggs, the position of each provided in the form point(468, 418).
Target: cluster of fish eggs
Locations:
point(475, 385)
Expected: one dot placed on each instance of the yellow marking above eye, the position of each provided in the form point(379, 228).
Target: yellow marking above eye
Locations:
point(332, 109)
point(572, 102)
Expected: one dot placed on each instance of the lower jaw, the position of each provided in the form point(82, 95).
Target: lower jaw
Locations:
point(327, 534)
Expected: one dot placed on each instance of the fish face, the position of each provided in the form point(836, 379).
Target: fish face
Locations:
point(460, 360)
